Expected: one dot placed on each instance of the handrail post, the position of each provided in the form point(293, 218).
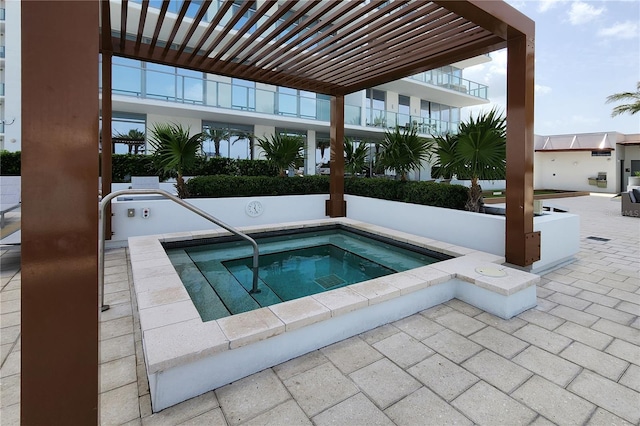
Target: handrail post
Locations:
point(101, 237)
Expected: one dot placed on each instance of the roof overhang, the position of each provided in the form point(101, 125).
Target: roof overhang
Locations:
point(329, 47)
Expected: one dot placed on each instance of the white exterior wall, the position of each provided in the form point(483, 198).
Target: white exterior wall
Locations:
point(13, 81)
point(167, 216)
point(571, 170)
point(560, 232)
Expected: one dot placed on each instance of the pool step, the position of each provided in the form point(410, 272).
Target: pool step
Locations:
point(244, 275)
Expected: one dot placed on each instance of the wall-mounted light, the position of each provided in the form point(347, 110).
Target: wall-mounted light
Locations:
point(575, 163)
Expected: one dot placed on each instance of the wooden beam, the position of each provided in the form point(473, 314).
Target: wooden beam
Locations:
point(59, 321)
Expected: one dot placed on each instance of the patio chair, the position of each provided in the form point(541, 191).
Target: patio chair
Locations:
point(9, 195)
point(631, 203)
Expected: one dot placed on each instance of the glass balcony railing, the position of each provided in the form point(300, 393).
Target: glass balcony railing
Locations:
point(452, 82)
point(1, 127)
point(2, 13)
point(424, 125)
point(2, 50)
point(1, 89)
point(191, 90)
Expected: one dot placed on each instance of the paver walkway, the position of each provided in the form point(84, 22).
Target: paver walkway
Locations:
point(575, 359)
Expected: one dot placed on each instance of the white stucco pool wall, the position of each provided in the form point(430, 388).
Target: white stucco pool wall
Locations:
point(186, 357)
point(560, 232)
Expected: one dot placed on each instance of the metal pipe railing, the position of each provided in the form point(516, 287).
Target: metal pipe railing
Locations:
point(101, 238)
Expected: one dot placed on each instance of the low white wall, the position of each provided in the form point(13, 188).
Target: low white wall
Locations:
point(560, 232)
point(166, 216)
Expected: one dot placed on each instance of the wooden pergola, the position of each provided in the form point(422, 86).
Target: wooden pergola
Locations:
point(328, 47)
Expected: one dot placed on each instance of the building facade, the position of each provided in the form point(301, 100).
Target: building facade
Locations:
point(145, 94)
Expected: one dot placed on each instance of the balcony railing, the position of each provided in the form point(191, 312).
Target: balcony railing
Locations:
point(452, 82)
point(2, 50)
point(2, 13)
point(424, 125)
point(1, 89)
point(172, 87)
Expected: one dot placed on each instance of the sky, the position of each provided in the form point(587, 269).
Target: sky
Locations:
point(584, 52)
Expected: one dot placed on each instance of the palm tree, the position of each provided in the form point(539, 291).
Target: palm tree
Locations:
point(216, 135)
point(355, 156)
point(133, 136)
point(283, 150)
point(631, 108)
point(175, 150)
point(242, 135)
point(404, 151)
point(477, 152)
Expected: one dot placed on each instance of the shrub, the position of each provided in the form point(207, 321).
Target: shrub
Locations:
point(10, 163)
point(245, 186)
point(386, 189)
point(124, 166)
point(437, 195)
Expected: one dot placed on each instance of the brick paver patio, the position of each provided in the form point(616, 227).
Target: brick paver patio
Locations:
point(574, 359)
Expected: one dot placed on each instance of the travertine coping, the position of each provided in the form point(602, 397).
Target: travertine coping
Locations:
point(174, 334)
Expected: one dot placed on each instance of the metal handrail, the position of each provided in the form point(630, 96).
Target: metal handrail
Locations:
point(101, 231)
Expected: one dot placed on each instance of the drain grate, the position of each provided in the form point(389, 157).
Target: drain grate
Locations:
point(329, 281)
point(598, 239)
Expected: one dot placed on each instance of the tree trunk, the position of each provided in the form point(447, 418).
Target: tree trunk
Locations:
point(473, 203)
point(181, 187)
point(216, 147)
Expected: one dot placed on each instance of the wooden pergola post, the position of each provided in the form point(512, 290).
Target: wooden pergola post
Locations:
point(336, 205)
point(522, 245)
point(59, 356)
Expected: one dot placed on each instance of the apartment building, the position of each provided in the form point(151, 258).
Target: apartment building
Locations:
point(144, 94)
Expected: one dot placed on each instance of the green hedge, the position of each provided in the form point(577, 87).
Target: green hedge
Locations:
point(244, 186)
point(425, 193)
point(9, 163)
point(127, 165)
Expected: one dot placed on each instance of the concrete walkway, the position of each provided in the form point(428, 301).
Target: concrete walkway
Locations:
point(575, 359)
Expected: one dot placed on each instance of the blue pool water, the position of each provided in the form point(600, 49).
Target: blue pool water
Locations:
point(218, 276)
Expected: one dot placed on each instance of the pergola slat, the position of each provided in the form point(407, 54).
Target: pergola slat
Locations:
point(212, 26)
point(123, 22)
point(242, 31)
point(156, 32)
point(176, 26)
point(226, 30)
point(194, 25)
point(338, 17)
point(143, 20)
point(282, 10)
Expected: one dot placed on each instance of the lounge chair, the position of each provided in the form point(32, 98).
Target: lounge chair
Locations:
point(631, 203)
point(9, 195)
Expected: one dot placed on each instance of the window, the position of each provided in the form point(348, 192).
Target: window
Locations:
point(125, 124)
point(404, 111)
point(243, 94)
point(231, 140)
point(601, 153)
point(376, 111)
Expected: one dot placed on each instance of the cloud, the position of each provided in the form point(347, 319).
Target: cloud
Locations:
point(518, 4)
point(582, 13)
point(545, 5)
point(542, 90)
point(622, 30)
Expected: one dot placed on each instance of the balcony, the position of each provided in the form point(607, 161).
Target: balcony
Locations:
point(2, 52)
point(424, 125)
point(190, 90)
point(2, 14)
point(452, 82)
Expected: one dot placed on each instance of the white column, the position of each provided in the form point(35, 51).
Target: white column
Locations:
point(310, 153)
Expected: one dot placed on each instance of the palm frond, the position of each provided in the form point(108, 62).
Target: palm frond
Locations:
point(282, 150)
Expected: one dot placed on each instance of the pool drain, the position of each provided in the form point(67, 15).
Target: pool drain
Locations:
point(489, 271)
